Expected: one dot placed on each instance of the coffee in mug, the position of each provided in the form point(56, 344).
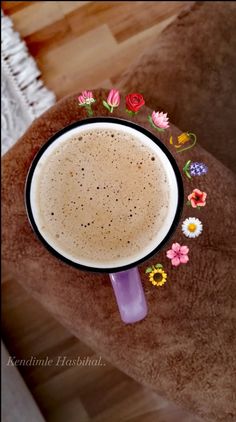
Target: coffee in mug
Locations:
point(102, 197)
point(104, 194)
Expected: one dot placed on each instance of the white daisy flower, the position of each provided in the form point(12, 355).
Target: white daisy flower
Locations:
point(192, 227)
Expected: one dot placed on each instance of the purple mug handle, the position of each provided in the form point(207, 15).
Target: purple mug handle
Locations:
point(129, 295)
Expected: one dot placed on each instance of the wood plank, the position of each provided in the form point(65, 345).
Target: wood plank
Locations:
point(79, 59)
point(36, 16)
point(125, 19)
point(71, 382)
point(10, 7)
point(72, 410)
point(84, 393)
point(68, 27)
point(146, 402)
point(42, 327)
point(145, 16)
point(49, 37)
point(108, 62)
point(71, 348)
point(71, 6)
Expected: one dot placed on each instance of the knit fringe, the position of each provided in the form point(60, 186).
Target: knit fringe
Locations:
point(23, 70)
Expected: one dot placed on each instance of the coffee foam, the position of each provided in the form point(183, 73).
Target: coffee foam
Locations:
point(101, 197)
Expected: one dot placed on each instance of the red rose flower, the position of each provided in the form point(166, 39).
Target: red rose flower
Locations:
point(134, 102)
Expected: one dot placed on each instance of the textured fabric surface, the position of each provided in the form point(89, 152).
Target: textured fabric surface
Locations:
point(24, 96)
point(15, 118)
point(185, 348)
point(190, 71)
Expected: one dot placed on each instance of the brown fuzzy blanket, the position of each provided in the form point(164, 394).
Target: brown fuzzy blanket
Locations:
point(185, 349)
point(190, 71)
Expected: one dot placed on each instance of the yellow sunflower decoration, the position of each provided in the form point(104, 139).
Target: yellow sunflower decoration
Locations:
point(157, 276)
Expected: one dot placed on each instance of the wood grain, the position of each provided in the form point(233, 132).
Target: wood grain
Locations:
point(87, 44)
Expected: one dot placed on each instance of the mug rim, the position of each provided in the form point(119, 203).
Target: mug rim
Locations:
point(124, 122)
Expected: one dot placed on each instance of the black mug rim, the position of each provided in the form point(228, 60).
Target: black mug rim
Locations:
point(124, 122)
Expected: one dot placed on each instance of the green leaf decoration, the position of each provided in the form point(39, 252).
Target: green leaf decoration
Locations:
point(198, 207)
point(150, 121)
point(132, 113)
point(186, 166)
point(148, 270)
point(185, 170)
point(89, 111)
point(159, 129)
point(188, 203)
point(159, 266)
point(106, 105)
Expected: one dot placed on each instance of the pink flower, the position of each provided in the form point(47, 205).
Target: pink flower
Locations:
point(178, 254)
point(197, 198)
point(113, 99)
point(160, 119)
point(81, 99)
point(86, 98)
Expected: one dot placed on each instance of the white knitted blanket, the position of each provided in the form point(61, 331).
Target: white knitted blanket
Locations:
point(24, 96)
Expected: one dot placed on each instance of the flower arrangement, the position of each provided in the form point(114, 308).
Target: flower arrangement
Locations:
point(86, 100)
point(192, 169)
point(113, 100)
point(197, 199)
point(133, 103)
point(185, 138)
point(191, 227)
point(159, 121)
point(178, 254)
point(157, 276)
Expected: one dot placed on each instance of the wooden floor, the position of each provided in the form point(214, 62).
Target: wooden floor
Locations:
point(83, 44)
point(80, 45)
point(73, 394)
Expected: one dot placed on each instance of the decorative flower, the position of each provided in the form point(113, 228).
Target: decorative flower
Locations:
point(197, 199)
point(113, 100)
point(183, 138)
point(192, 227)
point(133, 103)
point(159, 120)
point(194, 169)
point(86, 100)
point(157, 276)
point(178, 254)
point(198, 169)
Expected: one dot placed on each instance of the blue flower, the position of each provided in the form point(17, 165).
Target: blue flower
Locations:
point(198, 169)
point(194, 169)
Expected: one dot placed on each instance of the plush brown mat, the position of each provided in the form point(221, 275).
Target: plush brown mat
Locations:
point(185, 348)
point(190, 71)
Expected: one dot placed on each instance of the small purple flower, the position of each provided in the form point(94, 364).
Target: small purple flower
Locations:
point(198, 169)
point(194, 169)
